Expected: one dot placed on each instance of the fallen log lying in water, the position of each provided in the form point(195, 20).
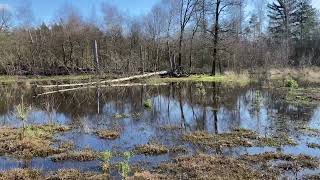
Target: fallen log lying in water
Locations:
point(99, 86)
point(105, 81)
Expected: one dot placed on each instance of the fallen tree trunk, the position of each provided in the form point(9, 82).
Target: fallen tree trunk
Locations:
point(106, 81)
point(100, 86)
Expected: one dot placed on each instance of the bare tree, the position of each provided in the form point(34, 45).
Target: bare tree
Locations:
point(219, 7)
point(5, 18)
point(186, 10)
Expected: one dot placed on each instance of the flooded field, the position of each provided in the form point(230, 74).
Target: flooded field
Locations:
point(246, 132)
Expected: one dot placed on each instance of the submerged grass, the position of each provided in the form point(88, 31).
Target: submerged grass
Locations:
point(239, 137)
point(304, 96)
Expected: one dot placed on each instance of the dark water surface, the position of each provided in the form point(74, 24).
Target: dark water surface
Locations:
point(177, 108)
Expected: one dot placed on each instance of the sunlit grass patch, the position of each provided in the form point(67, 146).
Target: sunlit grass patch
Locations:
point(82, 156)
point(151, 149)
point(107, 134)
point(241, 79)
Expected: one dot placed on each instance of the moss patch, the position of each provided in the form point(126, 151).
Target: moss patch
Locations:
point(151, 149)
point(106, 134)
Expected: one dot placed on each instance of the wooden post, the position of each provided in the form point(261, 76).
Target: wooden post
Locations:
point(95, 56)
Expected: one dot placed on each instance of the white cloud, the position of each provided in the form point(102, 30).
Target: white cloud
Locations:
point(316, 4)
point(4, 6)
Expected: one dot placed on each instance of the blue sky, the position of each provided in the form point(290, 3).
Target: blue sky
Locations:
point(44, 10)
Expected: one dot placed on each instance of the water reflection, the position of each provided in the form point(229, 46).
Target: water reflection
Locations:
point(177, 108)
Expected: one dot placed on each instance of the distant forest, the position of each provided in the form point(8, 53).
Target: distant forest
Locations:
point(199, 36)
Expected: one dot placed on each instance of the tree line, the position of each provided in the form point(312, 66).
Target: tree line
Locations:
point(199, 36)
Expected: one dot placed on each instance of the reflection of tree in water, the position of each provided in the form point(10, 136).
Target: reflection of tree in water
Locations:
point(207, 105)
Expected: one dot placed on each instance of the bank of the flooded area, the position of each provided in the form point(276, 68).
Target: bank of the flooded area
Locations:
point(196, 128)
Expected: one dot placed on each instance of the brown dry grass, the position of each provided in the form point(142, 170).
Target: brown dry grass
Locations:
point(204, 167)
point(291, 161)
point(21, 174)
point(107, 134)
point(151, 149)
point(73, 174)
point(36, 143)
point(239, 137)
point(305, 74)
point(84, 155)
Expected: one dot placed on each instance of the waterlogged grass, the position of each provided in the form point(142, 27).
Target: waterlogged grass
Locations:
point(304, 96)
point(241, 79)
point(300, 161)
point(148, 104)
point(151, 149)
point(205, 167)
point(27, 174)
point(82, 156)
point(239, 137)
point(36, 142)
point(107, 134)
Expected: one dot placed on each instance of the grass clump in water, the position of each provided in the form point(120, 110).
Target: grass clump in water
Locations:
point(301, 161)
point(313, 145)
point(148, 104)
point(36, 142)
point(106, 156)
point(309, 131)
point(82, 156)
point(291, 83)
point(239, 137)
point(304, 96)
point(276, 141)
point(107, 134)
point(120, 116)
point(151, 149)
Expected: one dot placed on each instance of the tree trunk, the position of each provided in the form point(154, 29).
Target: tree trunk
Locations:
point(216, 36)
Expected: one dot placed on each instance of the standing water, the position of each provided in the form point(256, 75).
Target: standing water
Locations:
point(163, 117)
